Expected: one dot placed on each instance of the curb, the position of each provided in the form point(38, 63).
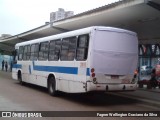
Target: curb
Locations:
point(157, 90)
point(149, 90)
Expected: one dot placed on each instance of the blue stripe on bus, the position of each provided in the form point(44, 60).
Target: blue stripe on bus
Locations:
point(58, 69)
point(17, 66)
point(88, 72)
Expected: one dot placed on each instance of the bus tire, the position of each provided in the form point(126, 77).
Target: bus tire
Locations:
point(20, 78)
point(52, 87)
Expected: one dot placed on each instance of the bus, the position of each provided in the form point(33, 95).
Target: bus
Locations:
point(95, 58)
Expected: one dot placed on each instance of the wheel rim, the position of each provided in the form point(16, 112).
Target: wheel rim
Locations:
point(52, 86)
point(51, 89)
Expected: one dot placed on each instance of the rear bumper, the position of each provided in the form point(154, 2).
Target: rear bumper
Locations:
point(110, 87)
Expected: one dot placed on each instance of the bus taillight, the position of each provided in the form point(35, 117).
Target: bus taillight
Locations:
point(92, 70)
point(93, 75)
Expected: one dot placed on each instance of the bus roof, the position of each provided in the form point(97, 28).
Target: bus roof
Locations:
point(75, 33)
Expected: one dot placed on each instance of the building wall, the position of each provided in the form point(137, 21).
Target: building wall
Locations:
point(69, 14)
point(5, 58)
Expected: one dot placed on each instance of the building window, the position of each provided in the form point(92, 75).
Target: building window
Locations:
point(27, 51)
point(43, 51)
point(82, 48)
point(68, 49)
point(34, 51)
point(54, 50)
point(20, 53)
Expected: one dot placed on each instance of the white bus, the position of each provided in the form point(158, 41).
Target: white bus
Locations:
point(91, 59)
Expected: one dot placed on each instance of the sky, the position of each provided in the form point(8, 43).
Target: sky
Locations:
point(18, 16)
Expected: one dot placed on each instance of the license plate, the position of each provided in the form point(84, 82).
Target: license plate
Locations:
point(114, 77)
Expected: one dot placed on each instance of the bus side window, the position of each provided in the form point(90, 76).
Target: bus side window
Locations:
point(43, 51)
point(34, 51)
point(54, 50)
point(68, 49)
point(26, 53)
point(72, 48)
point(82, 47)
point(20, 53)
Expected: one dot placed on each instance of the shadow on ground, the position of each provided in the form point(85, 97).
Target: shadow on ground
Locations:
point(90, 99)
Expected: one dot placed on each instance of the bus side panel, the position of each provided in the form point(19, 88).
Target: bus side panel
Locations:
point(39, 78)
point(73, 81)
point(63, 85)
point(76, 87)
point(14, 73)
point(25, 71)
point(15, 69)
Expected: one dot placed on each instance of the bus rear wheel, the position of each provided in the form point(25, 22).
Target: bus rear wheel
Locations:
point(52, 87)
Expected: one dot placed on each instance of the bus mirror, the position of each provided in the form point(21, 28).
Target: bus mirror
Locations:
point(14, 53)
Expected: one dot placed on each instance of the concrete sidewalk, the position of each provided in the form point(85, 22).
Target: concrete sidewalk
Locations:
point(157, 89)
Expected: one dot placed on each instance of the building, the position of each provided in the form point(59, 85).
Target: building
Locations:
point(3, 36)
point(69, 14)
point(60, 14)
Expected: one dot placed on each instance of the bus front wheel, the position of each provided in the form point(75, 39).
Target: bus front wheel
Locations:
point(52, 86)
point(20, 78)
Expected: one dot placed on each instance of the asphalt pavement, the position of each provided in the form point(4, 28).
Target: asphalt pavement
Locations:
point(144, 95)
